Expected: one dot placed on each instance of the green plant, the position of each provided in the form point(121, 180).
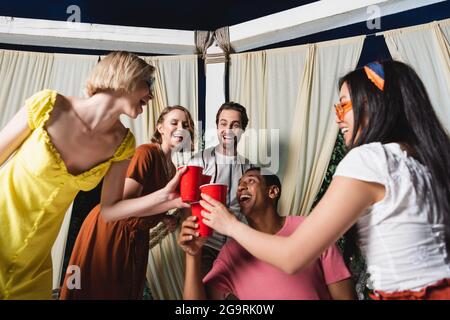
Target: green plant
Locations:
point(336, 157)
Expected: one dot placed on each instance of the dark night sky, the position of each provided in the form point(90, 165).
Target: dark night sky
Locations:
point(170, 14)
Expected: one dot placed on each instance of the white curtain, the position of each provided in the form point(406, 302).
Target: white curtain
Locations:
point(266, 83)
point(427, 49)
point(291, 92)
point(70, 72)
point(21, 75)
point(24, 73)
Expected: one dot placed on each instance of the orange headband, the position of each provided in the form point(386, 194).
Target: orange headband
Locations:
point(375, 73)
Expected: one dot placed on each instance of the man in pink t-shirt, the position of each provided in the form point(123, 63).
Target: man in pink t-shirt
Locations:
point(237, 273)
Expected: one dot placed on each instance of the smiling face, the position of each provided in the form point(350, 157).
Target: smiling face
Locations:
point(346, 123)
point(254, 194)
point(134, 102)
point(174, 129)
point(229, 128)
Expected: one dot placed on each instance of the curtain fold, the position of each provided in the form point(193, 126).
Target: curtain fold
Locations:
point(427, 49)
point(222, 36)
point(247, 74)
point(70, 72)
point(317, 132)
point(203, 40)
point(21, 75)
point(289, 93)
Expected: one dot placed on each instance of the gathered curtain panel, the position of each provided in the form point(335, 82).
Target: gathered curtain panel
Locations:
point(427, 49)
point(222, 37)
point(289, 95)
point(203, 40)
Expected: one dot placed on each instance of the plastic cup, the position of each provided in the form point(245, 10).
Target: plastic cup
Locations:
point(203, 229)
point(216, 191)
point(190, 183)
point(205, 179)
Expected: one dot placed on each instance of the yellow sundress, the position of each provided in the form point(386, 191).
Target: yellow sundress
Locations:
point(35, 192)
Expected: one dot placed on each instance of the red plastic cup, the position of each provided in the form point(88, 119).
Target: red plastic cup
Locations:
point(216, 191)
point(205, 179)
point(203, 229)
point(189, 184)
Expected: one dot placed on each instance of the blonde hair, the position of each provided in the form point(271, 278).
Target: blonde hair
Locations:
point(119, 71)
point(156, 138)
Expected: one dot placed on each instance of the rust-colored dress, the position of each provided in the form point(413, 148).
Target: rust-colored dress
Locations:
point(112, 256)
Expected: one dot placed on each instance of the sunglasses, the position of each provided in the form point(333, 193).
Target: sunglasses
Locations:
point(342, 108)
point(150, 84)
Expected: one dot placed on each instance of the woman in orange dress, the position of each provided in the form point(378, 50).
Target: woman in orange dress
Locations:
point(112, 256)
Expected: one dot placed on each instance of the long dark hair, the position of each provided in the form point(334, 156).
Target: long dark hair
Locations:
point(401, 113)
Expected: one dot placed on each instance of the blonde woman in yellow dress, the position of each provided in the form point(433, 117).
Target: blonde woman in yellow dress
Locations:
point(59, 146)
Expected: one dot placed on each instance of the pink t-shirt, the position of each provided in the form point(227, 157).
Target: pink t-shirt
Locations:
point(236, 271)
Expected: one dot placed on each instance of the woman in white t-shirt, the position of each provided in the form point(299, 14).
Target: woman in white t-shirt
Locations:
point(394, 185)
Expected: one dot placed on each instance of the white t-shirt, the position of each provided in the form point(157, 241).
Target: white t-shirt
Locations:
point(226, 170)
point(403, 235)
